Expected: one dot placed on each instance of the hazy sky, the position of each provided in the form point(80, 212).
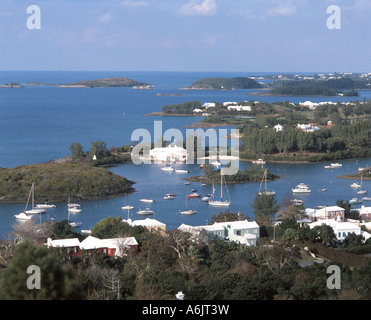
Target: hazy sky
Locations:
point(186, 35)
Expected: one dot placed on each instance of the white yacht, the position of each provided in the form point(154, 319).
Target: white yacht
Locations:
point(170, 169)
point(74, 210)
point(355, 185)
point(147, 200)
point(45, 206)
point(301, 188)
point(23, 216)
point(181, 171)
point(146, 211)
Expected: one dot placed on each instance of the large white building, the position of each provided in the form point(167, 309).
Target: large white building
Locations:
point(169, 153)
point(245, 232)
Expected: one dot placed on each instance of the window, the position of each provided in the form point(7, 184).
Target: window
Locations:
point(238, 232)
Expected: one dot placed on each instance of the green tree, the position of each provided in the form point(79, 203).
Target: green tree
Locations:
point(55, 283)
point(99, 149)
point(76, 150)
point(63, 230)
point(227, 216)
point(264, 208)
point(325, 233)
point(110, 228)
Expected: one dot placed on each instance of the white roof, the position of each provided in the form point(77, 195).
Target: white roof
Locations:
point(94, 243)
point(335, 225)
point(219, 226)
point(145, 223)
point(364, 209)
point(73, 242)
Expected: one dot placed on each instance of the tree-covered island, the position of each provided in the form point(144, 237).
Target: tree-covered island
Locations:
point(78, 177)
point(247, 175)
point(224, 84)
point(289, 132)
point(109, 82)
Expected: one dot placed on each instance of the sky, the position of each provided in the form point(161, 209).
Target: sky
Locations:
point(186, 35)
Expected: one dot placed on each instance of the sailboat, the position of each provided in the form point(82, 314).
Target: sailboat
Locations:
point(33, 210)
point(220, 202)
point(127, 207)
point(362, 191)
point(188, 211)
point(265, 191)
point(71, 205)
point(73, 224)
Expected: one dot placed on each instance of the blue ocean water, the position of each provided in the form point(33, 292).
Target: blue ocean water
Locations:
point(39, 123)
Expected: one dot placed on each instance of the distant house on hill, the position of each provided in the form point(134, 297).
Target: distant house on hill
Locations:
point(278, 128)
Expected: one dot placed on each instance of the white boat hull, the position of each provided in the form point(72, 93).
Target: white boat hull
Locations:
point(218, 203)
point(188, 212)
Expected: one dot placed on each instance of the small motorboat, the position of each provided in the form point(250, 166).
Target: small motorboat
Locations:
point(355, 201)
point(74, 210)
point(188, 212)
point(146, 211)
point(147, 200)
point(194, 195)
point(169, 197)
point(23, 216)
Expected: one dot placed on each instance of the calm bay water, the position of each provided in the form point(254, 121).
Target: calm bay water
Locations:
point(39, 123)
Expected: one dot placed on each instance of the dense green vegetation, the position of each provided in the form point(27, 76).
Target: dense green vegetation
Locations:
point(202, 268)
point(253, 174)
point(343, 141)
point(330, 87)
point(185, 108)
point(225, 84)
point(108, 82)
point(58, 181)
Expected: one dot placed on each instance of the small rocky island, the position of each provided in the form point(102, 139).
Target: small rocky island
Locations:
point(109, 82)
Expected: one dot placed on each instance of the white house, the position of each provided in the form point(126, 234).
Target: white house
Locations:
point(278, 128)
point(364, 213)
point(331, 212)
point(197, 110)
point(209, 105)
point(309, 104)
point(239, 108)
point(245, 232)
point(169, 153)
point(341, 229)
point(229, 103)
point(150, 224)
point(307, 127)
